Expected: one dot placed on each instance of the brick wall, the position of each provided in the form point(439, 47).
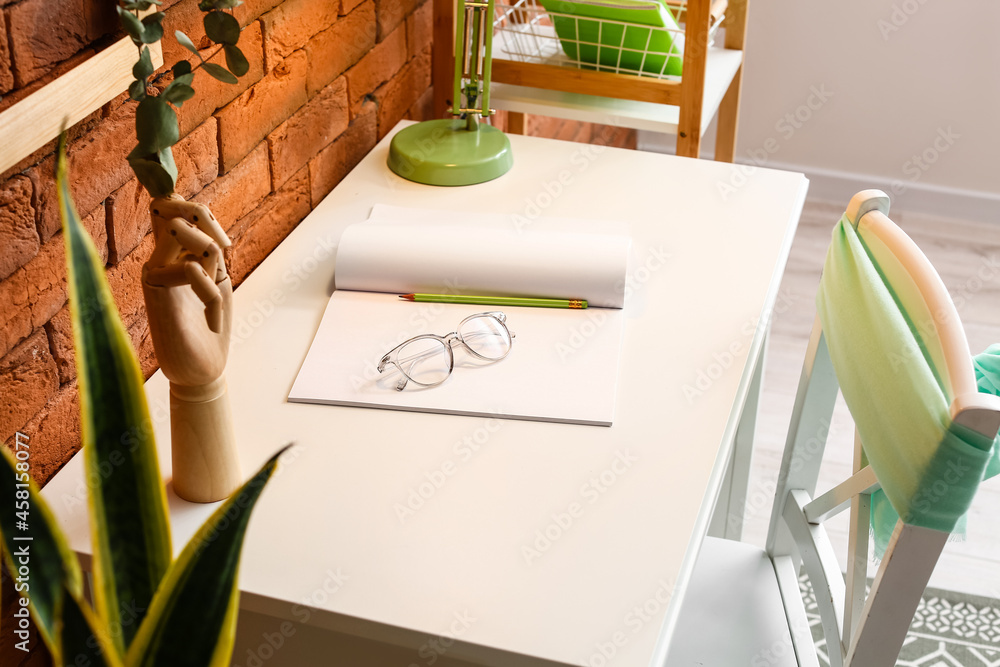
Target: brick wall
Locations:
point(327, 79)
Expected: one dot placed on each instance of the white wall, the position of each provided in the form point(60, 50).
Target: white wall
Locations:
point(905, 96)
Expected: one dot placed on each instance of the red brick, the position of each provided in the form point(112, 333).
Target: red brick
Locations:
point(43, 33)
point(348, 6)
point(46, 273)
point(237, 193)
point(60, 332)
point(391, 13)
point(197, 159)
point(211, 95)
point(423, 108)
point(18, 236)
point(97, 167)
point(335, 161)
point(402, 92)
point(125, 280)
point(245, 121)
point(54, 433)
point(33, 294)
point(420, 29)
point(100, 18)
point(186, 17)
point(127, 211)
point(377, 67)
point(28, 378)
point(340, 46)
point(6, 75)
point(142, 342)
point(15, 311)
point(308, 131)
point(289, 26)
point(256, 235)
point(251, 9)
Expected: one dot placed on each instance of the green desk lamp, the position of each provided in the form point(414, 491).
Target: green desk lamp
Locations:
point(461, 150)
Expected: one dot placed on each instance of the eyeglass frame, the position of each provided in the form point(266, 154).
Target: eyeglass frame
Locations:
point(446, 340)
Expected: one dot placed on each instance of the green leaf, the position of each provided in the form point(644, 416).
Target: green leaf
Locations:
point(186, 42)
point(153, 29)
point(222, 28)
point(157, 172)
point(141, 5)
point(83, 640)
point(132, 25)
point(235, 59)
point(130, 536)
point(181, 68)
point(219, 72)
point(192, 620)
point(144, 66)
point(155, 125)
point(51, 565)
point(178, 93)
point(137, 90)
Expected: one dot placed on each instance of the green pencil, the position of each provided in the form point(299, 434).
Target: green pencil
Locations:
point(496, 300)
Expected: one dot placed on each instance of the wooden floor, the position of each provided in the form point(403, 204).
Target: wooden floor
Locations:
point(967, 256)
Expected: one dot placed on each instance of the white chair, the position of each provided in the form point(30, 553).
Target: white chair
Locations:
point(889, 336)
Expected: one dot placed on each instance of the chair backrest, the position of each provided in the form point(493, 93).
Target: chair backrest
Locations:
point(888, 336)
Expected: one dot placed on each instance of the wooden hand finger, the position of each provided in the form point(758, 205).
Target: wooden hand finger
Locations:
point(198, 215)
point(205, 288)
point(190, 238)
point(171, 275)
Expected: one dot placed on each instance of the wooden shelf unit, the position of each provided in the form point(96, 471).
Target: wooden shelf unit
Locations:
point(710, 84)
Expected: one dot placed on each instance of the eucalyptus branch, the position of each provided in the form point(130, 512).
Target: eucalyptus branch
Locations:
point(157, 128)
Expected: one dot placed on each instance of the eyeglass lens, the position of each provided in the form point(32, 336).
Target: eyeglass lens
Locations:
point(425, 360)
point(485, 336)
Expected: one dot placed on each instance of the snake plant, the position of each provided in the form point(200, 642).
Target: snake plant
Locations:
point(148, 609)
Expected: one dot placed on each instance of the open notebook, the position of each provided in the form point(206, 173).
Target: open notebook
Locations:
point(563, 364)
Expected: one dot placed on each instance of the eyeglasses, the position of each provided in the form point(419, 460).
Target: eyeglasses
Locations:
point(428, 359)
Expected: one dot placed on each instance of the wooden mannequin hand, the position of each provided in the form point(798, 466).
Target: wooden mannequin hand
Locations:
point(188, 293)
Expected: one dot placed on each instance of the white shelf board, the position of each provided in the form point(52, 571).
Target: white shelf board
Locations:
point(721, 67)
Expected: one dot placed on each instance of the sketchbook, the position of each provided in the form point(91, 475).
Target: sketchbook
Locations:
point(563, 364)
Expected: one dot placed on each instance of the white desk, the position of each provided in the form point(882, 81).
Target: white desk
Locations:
point(326, 532)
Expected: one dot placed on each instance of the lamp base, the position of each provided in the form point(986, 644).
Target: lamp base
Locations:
point(445, 152)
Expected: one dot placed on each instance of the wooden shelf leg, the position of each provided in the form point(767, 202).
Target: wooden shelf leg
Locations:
point(728, 117)
point(515, 122)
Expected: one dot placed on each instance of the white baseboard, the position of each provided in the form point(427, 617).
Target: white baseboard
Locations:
point(838, 186)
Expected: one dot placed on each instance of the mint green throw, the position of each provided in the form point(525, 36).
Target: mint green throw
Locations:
point(888, 362)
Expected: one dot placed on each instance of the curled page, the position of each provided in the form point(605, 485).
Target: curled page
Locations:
point(441, 258)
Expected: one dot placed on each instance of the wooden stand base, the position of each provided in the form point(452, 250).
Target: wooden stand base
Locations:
point(203, 445)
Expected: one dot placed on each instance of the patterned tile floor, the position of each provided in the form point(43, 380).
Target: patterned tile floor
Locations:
point(948, 630)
